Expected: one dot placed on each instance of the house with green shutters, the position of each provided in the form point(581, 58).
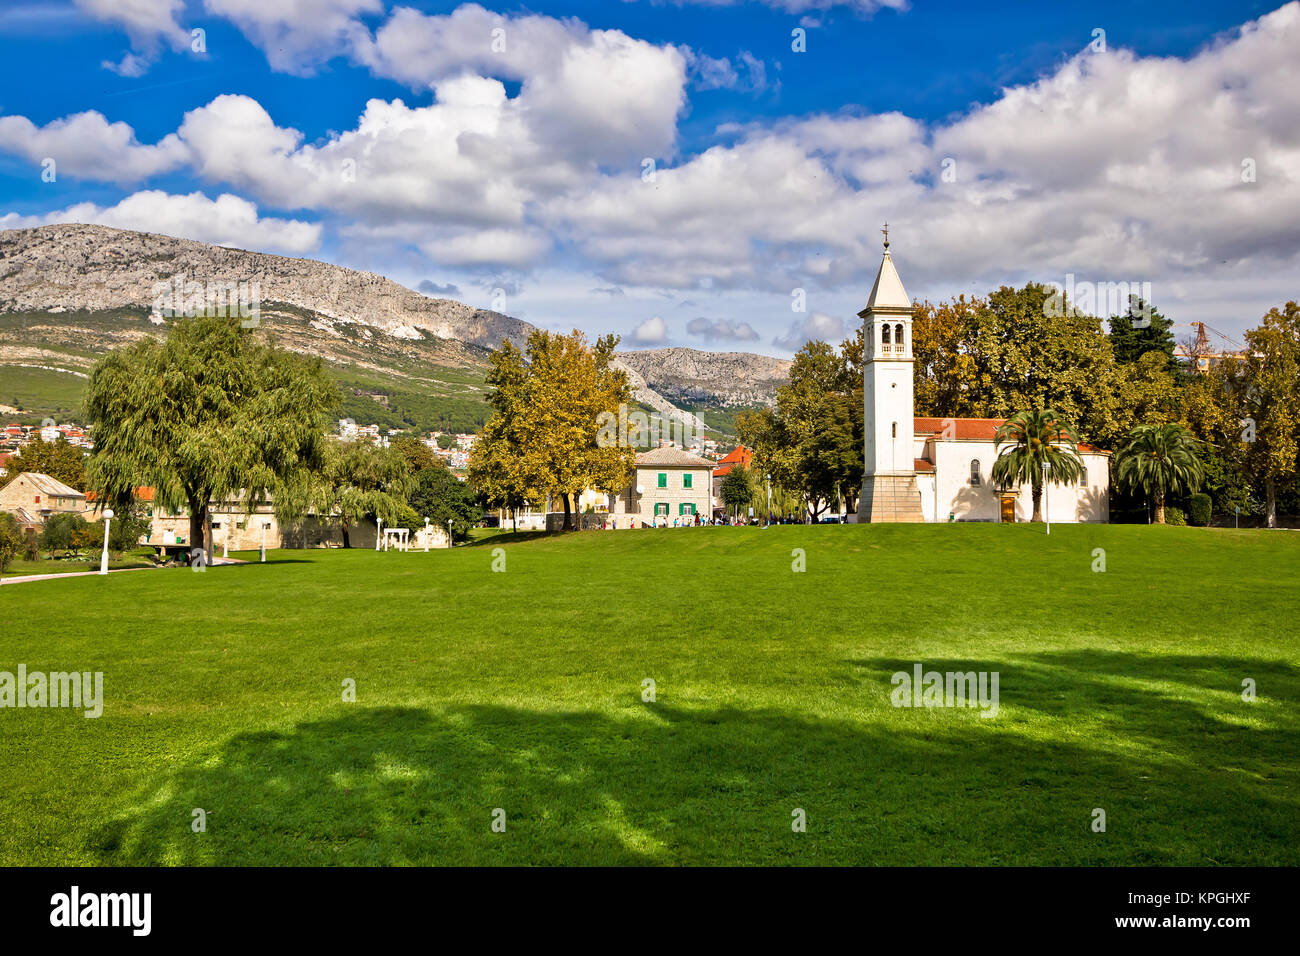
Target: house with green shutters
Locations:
point(668, 485)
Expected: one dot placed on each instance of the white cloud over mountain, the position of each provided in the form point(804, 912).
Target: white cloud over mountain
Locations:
point(227, 220)
point(1113, 167)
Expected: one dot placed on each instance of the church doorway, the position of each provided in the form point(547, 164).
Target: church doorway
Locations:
point(1008, 503)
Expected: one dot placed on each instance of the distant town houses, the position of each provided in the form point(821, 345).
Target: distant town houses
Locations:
point(455, 457)
point(14, 436)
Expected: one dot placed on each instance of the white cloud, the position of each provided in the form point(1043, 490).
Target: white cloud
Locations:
point(1113, 167)
point(150, 25)
point(298, 35)
point(817, 325)
point(509, 248)
point(593, 95)
point(653, 331)
point(860, 7)
point(228, 221)
point(725, 330)
point(87, 145)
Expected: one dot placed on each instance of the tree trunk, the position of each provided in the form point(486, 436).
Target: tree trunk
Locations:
point(568, 515)
point(1160, 507)
point(1038, 504)
point(198, 521)
point(208, 541)
point(1270, 502)
point(347, 542)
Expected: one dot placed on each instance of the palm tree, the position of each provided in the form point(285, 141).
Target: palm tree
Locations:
point(1158, 460)
point(1041, 447)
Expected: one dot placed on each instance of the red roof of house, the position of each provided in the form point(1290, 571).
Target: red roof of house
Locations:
point(922, 466)
point(972, 429)
point(142, 493)
point(740, 455)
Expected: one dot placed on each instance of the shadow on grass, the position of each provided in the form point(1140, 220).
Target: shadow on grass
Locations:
point(668, 783)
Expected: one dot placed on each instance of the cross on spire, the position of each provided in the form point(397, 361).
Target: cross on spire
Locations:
point(885, 230)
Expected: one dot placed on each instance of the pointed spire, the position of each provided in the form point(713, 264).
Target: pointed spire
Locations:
point(888, 291)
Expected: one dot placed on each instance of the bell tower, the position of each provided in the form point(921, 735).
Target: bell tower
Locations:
point(889, 491)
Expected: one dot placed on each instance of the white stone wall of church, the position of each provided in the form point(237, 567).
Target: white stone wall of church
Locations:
point(981, 503)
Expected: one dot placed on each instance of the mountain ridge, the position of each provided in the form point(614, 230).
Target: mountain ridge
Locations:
point(70, 292)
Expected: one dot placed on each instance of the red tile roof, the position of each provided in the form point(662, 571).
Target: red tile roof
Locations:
point(920, 465)
point(740, 455)
point(972, 429)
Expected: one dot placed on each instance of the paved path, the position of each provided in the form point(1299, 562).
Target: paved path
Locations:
point(24, 578)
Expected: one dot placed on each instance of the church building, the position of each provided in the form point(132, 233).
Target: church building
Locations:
point(940, 469)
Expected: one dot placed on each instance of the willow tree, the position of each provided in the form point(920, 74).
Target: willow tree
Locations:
point(1040, 448)
point(356, 480)
point(211, 412)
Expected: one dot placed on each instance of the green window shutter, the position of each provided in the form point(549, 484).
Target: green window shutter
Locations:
point(663, 479)
point(686, 480)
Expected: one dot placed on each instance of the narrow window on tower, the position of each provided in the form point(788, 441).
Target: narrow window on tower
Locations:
point(893, 430)
point(1083, 477)
point(898, 336)
point(884, 335)
point(975, 473)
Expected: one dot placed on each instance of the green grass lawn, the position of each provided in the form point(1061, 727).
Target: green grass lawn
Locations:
point(523, 690)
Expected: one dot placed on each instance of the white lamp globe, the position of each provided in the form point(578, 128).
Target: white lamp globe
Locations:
point(108, 512)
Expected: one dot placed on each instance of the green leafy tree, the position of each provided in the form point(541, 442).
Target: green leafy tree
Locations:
point(497, 461)
point(357, 480)
point(60, 460)
point(212, 411)
point(544, 437)
point(1271, 379)
point(126, 528)
point(944, 360)
point(443, 498)
point(812, 441)
point(1159, 460)
point(417, 454)
point(1041, 447)
point(737, 489)
point(11, 540)
point(1141, 331)
point(63, 532)
point(1027, 358)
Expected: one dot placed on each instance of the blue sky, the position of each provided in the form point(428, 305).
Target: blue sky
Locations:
point(403, 141)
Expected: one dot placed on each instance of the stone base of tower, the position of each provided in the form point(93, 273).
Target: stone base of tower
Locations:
point(889, 498)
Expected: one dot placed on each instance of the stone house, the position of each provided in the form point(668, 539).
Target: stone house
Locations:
point(32, 497)
point(668, 484)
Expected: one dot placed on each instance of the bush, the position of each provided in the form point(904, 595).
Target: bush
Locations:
point(1199, 510)
point(1175, 516)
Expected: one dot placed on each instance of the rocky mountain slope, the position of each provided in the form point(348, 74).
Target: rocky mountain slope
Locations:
point(723, 379)
point(69, 293)
point(93, 268)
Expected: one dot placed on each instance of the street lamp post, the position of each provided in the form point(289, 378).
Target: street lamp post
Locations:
point(265, 525)
point(1047, 514)
point(103, 558)
point(428, 533)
